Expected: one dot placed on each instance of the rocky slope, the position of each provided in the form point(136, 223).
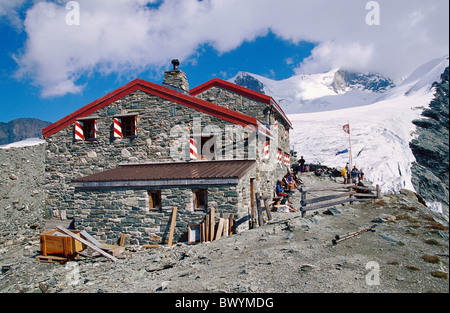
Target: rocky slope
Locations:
point(21, 192)
point(407, 253)
point(431, 147)
point(21, 129)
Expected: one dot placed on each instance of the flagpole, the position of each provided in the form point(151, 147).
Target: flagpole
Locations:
point(350, 144)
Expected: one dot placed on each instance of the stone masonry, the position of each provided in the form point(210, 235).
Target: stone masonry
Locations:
point(109, 212)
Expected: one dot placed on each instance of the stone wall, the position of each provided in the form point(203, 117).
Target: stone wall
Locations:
point(266, 175)
point(67, 159)
point(108, 212)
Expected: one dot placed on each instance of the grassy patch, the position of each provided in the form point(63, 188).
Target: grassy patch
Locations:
point(436, 226)
point(407, 217)
point(431, 259)
point(439, 274)
point(409, 208)
point(432, 242)
point(412, 267)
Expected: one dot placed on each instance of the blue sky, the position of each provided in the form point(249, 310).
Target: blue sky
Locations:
point(50, 68)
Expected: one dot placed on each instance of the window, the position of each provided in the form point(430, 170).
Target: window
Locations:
point(155, 200)
point(86, 129)
point(208, 148)
point(90, 129)
point(129, 126)
point(125, 126)
point(200, 199)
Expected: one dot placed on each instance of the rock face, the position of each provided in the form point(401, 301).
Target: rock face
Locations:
point(431, 147)
point(248, 81)
point(21, 129)
point(373, 82)
point(21, 193)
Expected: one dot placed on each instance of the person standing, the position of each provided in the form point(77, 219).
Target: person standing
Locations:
point(302, 164)
point(344, 174)
point(355, 175)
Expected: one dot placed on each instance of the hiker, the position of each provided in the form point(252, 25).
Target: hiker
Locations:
point(361, 175)
point(296, 179)
point(355, 175)
point(289, 181)
point(280, 191)
point(302, 164)
point(344, 174)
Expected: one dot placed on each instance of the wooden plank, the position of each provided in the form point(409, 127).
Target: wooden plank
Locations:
point(152, 246)
point(327, 198)
point(225, 227)
point(325, 205)
point(369, 188)
point(88, 237)
point(172, 226)
point(327, 188)
point(51, 259)
point(202, 232)
point(365, 195)
point(122, 239)
point(219, 229)
point(258, 206)
point(252, 203)
point(212, 224)
point(231, 223)
point(266, 204)
point(87, 243)
point(207, 225)
point(116, 251)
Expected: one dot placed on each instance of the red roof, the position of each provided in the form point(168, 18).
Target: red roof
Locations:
point(217, 82)
point(157, 90)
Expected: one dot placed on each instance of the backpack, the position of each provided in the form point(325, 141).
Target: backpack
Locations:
point(344, 172)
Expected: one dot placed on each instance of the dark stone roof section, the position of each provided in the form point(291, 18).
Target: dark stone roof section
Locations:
point(229, 169)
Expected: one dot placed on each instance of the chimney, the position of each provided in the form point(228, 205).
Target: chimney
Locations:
point(176, 79)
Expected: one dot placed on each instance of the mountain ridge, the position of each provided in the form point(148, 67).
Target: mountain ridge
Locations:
point(21, 129)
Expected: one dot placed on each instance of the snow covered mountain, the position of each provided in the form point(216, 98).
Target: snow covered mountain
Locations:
point(379, 111)
point(308, 93)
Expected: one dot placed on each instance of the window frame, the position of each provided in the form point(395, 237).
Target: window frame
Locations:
point(128, 125)
point(200, 200)
point(89, 130)
point(154, 205)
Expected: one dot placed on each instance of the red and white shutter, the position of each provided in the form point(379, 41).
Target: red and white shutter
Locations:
point(95, 129)
point(279, 156)
point(117, 128)
point(135, 125)
point(193, 155)
point(266, 151)
point(287, 161)
point(79, 133)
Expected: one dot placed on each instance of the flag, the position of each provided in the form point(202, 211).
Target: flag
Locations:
point(347, 128)
point(342, 152)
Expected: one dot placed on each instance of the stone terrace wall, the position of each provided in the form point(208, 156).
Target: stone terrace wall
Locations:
point(108, 212)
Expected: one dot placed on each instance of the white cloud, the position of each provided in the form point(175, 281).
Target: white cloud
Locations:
point(127, 36)
point(9, 11)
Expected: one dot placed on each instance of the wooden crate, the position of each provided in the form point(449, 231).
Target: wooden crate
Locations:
point(56, 243)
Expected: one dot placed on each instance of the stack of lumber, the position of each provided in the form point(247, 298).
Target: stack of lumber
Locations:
point(61, 245)
point(210, 229)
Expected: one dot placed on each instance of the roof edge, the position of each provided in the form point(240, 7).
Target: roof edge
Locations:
point(217, 82)
point(157, 90)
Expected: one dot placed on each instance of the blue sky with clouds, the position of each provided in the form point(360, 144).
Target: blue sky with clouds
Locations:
point(50, 66)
